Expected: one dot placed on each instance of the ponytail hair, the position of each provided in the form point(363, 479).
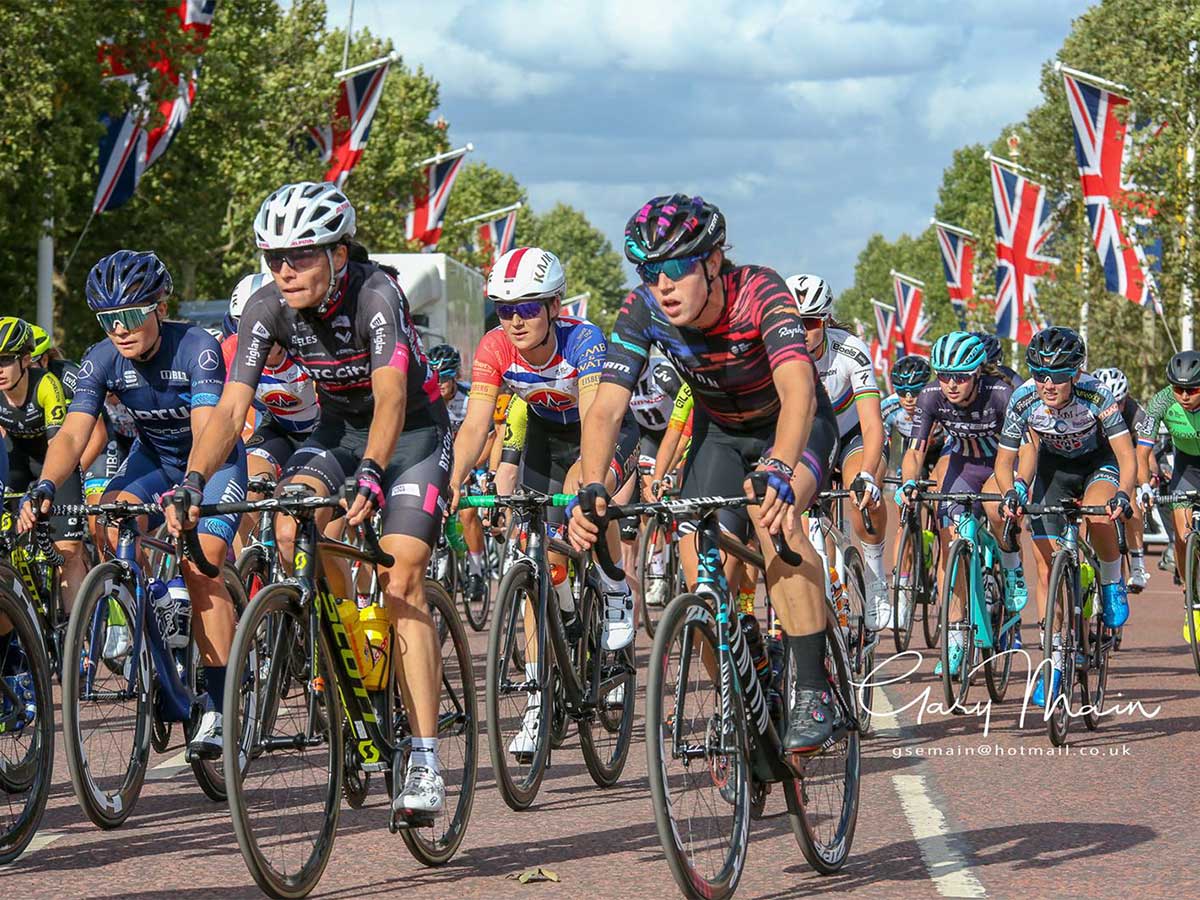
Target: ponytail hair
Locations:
point(358, 253)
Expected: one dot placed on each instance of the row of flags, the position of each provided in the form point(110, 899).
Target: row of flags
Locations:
point(130, 145)
point(1025, 220)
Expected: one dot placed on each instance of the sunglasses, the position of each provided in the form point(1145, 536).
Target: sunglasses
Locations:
point(908, 391)
point(812, 322)
point(526, 309)
point(9, 359)
point(674, 269)
point(301, 259)
point(1178, 389)
point(955, 377)
point(130, 318)
point(1054, 376)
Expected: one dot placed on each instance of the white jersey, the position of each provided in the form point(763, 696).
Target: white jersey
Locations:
point(653, 398)
point(846, 372)
point(457, 407)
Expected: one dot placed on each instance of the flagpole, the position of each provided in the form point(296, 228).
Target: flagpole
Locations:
point(392, 57)
point(449, 154)
point(492, 213)
point(961, 232)
point(346, 44)
point(45, 276)
point(1189, 216)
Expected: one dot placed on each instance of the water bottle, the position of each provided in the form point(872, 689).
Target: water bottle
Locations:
point(1087, 576)
point(758, 653)
point(181, 605)
point(349, 614)
point(377, 641)
point(454, 536)
point(163, 609)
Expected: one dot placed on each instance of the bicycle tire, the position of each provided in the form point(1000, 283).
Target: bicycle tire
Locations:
point(650, 534)
point(1094, 683)
point(931, 616)
point(477, 618)
point(1191, 596)
point(828, 854)
point(997, 660)
point(905, 580)
point(859, 647)
point(107, 809)
point(958, 568)
point(250, 661)
point(33, 773)
point(1060, 595)
point(210, 773)
point(518, 587)
point(692, 612)
point(605, 748)
point(459, 719)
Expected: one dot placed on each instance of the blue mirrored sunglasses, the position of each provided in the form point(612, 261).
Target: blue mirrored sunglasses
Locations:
point(674, 269)
point(1054, 376)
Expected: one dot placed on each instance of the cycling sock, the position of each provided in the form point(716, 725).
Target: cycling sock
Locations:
point(1110, 571)
point(873, 554)
point(1138, 558)
point(475, 562)
point(214, 680)
point(808, 654)
point(1010, 559)
point(424, 753)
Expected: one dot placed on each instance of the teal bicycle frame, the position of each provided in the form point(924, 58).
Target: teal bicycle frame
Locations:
point(985, 552)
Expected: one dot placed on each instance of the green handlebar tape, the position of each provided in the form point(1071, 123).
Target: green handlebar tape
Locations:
point(561, 499)
point(485, 501)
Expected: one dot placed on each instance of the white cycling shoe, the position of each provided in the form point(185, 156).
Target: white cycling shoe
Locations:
point(878, 606)
point(619, 628)
point(524, 742)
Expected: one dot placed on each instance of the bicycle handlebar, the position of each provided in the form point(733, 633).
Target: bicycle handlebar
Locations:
point(513, 501)
point(839, 494)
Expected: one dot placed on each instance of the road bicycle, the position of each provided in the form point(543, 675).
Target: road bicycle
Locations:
point(712, 737)
point(658, 571)
point(138, 671)
point(314, 716)
point(1076, 644)
point(1191, 567)
point(542, 667)
point(914, 579)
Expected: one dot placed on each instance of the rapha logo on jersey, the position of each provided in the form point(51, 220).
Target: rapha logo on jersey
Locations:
point(790, 331)
point(258, 329)
point(209, 360)
point(377, 321)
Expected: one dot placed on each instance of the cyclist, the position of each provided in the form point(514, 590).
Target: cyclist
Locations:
point(995, 353)
point(909, 375)
point(168, 374)
point(844, 364)
point(346, 321)
point(552, 362)
point(969, 402)
point(447, 361)
point(736, 337)
point(1083, 452)
point(1136, 421)
point(33, 407)
point(1177, 407)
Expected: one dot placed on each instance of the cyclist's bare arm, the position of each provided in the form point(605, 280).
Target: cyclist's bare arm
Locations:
point(222, 425)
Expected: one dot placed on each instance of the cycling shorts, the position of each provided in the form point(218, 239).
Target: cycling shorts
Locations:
point(148, 478)
point(273, 443)
point(1185, 476)
point(720, 460)
point(24, 470)
point(416, 479)
point(552, 448)
point(1061, 478)
point(649, 444)
point(963, 475)
point(103, 468)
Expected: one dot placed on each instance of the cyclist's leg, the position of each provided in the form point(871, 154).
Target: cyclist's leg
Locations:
point(68, 540)
point(879, 605)
point(1101, 486)
point(322, 465)
point(1016, 592)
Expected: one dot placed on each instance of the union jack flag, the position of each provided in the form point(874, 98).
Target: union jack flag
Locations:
point(911, 320)
point(424, 221)
point(958, 262)
point(499, 235)
point(1024, 223)
point(128, 147)
point(1100, 144)
point(341, 144)
point(883, 347)
point(576, 307)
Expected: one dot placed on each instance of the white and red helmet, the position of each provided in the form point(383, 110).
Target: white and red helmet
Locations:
point(526, 273)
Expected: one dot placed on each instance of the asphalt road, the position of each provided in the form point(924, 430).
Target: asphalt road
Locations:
point(956, 806)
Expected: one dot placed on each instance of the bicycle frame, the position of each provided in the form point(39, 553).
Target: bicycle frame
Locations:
point(985, 550)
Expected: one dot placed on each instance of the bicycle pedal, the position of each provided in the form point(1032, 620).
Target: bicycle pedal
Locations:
point(411, 818)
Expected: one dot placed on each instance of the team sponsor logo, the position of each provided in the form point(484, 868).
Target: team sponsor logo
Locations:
point(617, 367)
point(407, 489)
point(130, 378)
point(161, 415)
point(304, 340)
point(280, 400)
point(85, 371)
point(549, 398)
point(377, 321)
point(343, 336)
point(173, 375)
point(209, 360)
point(790, 331)
point(259, 330)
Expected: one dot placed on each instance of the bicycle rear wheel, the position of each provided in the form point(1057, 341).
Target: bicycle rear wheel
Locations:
point(701, 792)
point(458, 738)
point(655, 541)
point(286, 797)
point(906, 579)
point(823, 801)
point(1058, 638)
point(606, 733)
point(1093, 682)
point(513, 681)
point(931, 616)
point(861, 643)
point(26, 728)
point(1191, 595)
point(107, 731)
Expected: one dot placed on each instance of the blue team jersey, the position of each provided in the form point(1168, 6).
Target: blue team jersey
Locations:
point(1090, 419)
point(187, 372)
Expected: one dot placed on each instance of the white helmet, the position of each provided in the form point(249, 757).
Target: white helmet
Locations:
point(527, 273)
point(245, 288)
point(1115, 381)
point(813, 297)
point(304, 214)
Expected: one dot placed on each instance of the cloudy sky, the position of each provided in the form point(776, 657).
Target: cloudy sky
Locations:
point(812, 123)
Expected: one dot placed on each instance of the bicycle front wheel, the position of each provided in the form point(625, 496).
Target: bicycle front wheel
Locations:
point(699, 776)
point(931, 616)
point(655, 571)
point(1058, 647)
point(960, 633)
point(906, 579)
point(26, 728)
point(106, 697)
point(285, 794)
point(1191, 596)
point(605, 735)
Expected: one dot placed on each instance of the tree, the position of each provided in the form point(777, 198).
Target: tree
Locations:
point(588, 258)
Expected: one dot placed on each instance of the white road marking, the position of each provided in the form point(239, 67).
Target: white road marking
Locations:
point(42, 840)
point(169, 769)
point(948, 868)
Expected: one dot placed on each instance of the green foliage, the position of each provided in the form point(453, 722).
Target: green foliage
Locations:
point(266, 73)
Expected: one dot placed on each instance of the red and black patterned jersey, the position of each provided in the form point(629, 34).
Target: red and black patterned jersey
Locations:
point(729, 364)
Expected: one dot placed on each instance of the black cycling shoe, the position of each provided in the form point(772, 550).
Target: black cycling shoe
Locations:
point(476, 588)
point(810, 720)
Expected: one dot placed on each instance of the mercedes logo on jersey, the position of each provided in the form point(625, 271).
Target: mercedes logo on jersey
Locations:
point(209, 360)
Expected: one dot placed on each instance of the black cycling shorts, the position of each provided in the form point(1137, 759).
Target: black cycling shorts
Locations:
point(24, 470)
point(720, 459)
point(416, 479)
point(1185, 476)
point(274, 443)
point(649, 444)
point(1059, 478)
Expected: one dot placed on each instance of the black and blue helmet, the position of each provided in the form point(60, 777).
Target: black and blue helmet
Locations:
point(445, 360)
point(911, 373)
point(127, 278)
point(991, 345)
point(958, 351)
point(1056, 347)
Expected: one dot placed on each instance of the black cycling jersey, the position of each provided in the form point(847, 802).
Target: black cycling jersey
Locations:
point(31, 425)
point(366, 326)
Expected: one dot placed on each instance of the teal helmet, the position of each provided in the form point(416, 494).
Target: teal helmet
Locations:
point(958, 351)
